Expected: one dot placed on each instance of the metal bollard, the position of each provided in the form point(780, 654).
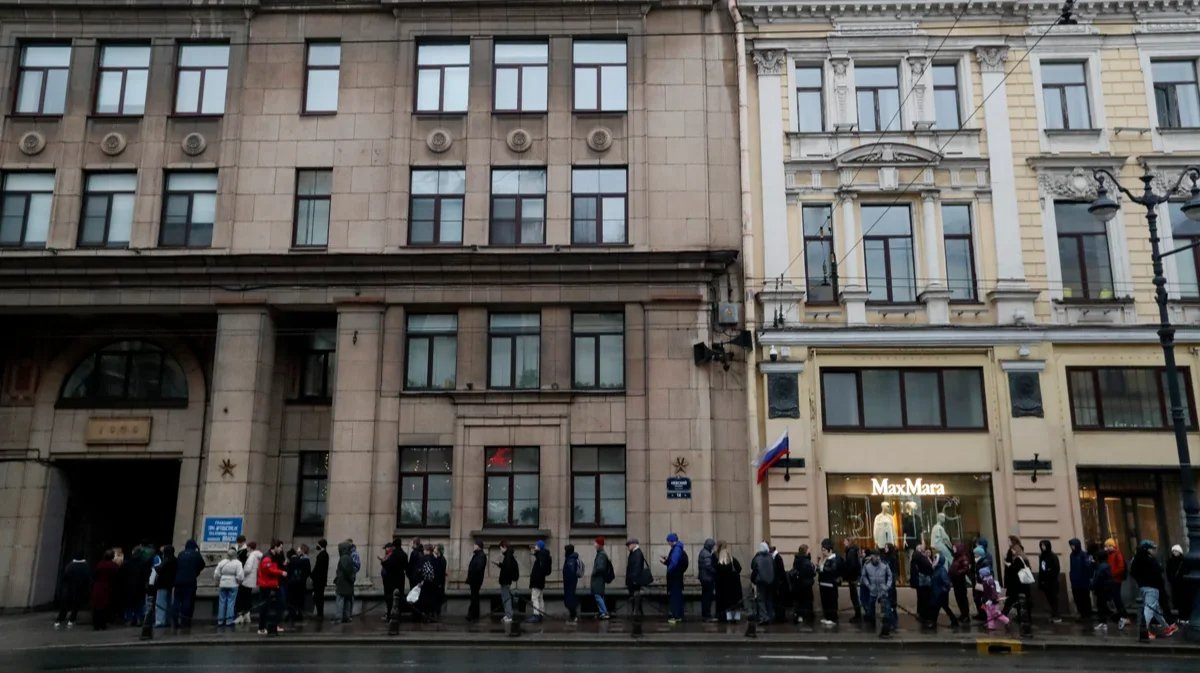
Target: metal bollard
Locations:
point(148, 621)
point(394, 622)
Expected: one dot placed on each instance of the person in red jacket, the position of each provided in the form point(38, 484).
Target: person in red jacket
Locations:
point(1116, 562)
point(270, 571)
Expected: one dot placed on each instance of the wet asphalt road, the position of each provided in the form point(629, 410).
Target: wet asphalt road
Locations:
point(367, 658)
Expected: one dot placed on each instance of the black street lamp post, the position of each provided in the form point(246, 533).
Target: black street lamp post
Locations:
point(1104, 208)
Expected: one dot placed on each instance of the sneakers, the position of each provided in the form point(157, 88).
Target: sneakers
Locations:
point(1101, 627)
point(262, 632)
point(507, 619)
point(70, 625)
point(672, 621)
point(58, 625)
point(828, 622)
point(1056, 620)
point(1170, 631)
point(1121, 623)
point(604, 616)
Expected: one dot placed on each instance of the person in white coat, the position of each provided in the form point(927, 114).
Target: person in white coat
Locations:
point(249, 583)
point(229, 575)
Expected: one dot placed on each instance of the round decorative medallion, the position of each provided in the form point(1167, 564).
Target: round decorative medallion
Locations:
point(193, 144)
point(439, 140)
point(33, 143)
point(519, 140)
point(599, 139)
point(113, 144)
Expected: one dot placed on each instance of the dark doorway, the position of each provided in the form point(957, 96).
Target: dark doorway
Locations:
point(116, 503)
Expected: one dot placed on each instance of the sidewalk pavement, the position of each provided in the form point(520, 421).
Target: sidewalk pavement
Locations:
point(36, 631)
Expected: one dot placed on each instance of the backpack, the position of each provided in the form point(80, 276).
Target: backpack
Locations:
point(683, 561)
point(647, 574)
point(609, 573)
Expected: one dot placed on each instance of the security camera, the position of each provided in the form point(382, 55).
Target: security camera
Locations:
point(773, 353)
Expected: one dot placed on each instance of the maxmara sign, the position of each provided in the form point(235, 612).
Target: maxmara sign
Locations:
point(908, 487)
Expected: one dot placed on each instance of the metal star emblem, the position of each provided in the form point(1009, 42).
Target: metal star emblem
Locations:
point(680, 465)
point(227, 468)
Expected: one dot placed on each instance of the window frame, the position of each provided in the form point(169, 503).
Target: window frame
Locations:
point(598, 199)
point(969, 237)
point(512, 472)
point(108, 197)
point(886, 239)
point(44, 70)
point(576, 66)
point(191, 196)
point(1061, 92)
point(955, 88)
point(596, 522)
point(819, 90)
point(308, 70)
point(424, 476)
point(1190, 291)
point(904, 427)
point(297, 198)
point(1087, 294)
point(807, 239)
point(1164, 403)
point(203, 70)
point(328, 369)
point(97, 401)
point(429, 336)
point(309, 528)
point(595, 338)
point(879, 122)
point(124, 70)
point(520, 68)
point(5, 192)
point(511, 335)
point(438, 199)
point(519, 198)
point(1170, 90)
point(441, 69)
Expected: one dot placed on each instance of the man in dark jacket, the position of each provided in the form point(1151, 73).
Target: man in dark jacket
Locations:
point(676, 562)
point(542, 564)
point(783, 593)
point(804, 575)
point(299, 569)
point(1102, 586)
point(509, 574)
point(637, 576)
point(706, 571)
point(393, 567)
point(1081, 571)
point(1181, 590)
point(74, 590)
point(829, 575)
point(320, 577)
point(414, 562)
point(762, 576)
point(852, 573)
point(188, 567)
point(920, 576)
point(1047, 578)
point(343, 582)
point(1148, 573)
point(475, 572)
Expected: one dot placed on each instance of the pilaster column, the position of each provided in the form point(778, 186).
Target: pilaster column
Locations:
point(845, 106)
point(771, 65)
point(922, 110)
point(934, 294)
point(850, 276)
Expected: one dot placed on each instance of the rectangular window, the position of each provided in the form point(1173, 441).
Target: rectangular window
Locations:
point(317, 364)
point(599, 348)
point(1125, 398)
point(424, 500)
point(122, 78)
point(200, 79)
point(925, 399)
point(598, 206)
point(1065, 95)
point(42, 79)
point(518, 206)
point(435, 214)
point(514, 350)
point(443, 73)
point(598, 486)
point(313, 187)
point(107, 210)
point(189, 210)
point(810, 99)
point(820, 279)
point(432, 351)
point(1185, 231)
point(947, 110)
point(520, 77)
point(888, 245)
point(512, 485)
point(1175, 94)
point(312, 493)
point(877, 89)
point(25, 211)
point(322, 77)
point(960, 251)
point(1082, 252)
point(600, 75)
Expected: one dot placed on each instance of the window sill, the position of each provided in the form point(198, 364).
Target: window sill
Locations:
point(1181, 130)
point(435, 246)
point(437, 114)
point(99, 116)
point(309, 402)
point(1097, 301)
point(1138, 430)
point(519, 246)
point(599, 113)
point(309, 248)
point(317, 113)
point(519, 113)
point(1068, 133)
point(421, 531)
point(593, 531)
point(1185, 301)
point(902, 431)
point(34, 117)
point(121, 404)
point(189, 116)
point(511, 533)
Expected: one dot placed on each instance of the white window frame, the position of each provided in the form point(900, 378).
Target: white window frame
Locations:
point(1067, 140)
point(1118, 250)
point(1175, 140)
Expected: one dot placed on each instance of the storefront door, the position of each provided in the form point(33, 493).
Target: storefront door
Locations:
point(1129, 519)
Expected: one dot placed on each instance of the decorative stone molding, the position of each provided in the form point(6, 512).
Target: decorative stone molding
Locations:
point(519, 140)
point(194, 144)
point(917, 65)
point(113, 144)
point(1182, 26)
point(1061, 29)
point(887, 154)
point(32, 143)
point(600, 139)
point(769, 61)
point(1077, 185)
point(439, 140)
point(991, 59)
point(1164, 180)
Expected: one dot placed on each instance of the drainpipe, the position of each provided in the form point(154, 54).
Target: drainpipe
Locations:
point(748, 267)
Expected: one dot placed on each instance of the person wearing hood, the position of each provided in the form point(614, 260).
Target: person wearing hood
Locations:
point(188, 568)
point(320, 577)
point(510, 572)
point(572, 570)
point(542, 567)
point(980, 559)
point(1047, 577)
point(393, 567)
point(637, 576)
point(1148, 574)
point(729, 584)
point(476, 569)
point(165, 567)
point(1181, 590)
point(299, 569)
point(920, 576)
point(228, 575)
point(74, 588)
point(104, 593)
point(343, 583)
point(250, 584)
point(1016, 591)
point(1083, 566)
point(803, 575)
point(427, 574)
point(852, 573)
point(1102, 581)
point(602, 574)
point(878, 582)
point(829, 575)
point(439, 578)
point(1116, 563)
point(706, 570)
point(783, 593)
point(959, 569)
point(762, 576)
point(676, 562)
point(994, 616)
point(134, 573)
point(940, 591)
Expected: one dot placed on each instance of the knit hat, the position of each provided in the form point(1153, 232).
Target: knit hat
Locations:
point(672, 537)
point(985, 572)
point(479, 543)
point(827, 544)
point(1110, 542)
point(600, 540)
point(1176, 549)
point(1148, 544)
point(980, 552)
point(541, 544)
point(763, 548)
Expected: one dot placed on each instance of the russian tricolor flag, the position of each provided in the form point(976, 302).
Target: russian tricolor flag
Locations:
point(771, 455)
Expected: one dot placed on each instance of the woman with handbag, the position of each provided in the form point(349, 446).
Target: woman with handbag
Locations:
point(1018, 581)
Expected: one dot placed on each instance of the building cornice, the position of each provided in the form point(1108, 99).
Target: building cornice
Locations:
point(772, 10)
point(935, 337)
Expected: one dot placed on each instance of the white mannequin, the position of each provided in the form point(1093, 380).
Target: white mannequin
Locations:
point(940, 539)
point(885, 527)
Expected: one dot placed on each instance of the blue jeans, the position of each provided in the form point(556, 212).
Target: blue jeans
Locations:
point(226, 598)
point(1151, 610)
point(707, 592)
point(600, 603)
point(162, 607)
point(675, 595)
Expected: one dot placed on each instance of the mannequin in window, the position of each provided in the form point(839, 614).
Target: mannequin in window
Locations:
point(910, 525)
point(885, 526)
point(940, 539)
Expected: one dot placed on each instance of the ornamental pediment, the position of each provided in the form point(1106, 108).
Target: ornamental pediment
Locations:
point(888, 154)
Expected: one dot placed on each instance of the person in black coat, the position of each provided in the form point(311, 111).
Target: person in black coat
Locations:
point(299, 569)
point(74, 589)
point(188, 567)
point(783, 593)
point(852, 573)
point(729, 585)
point(542, 565)
point(393, 566)
point(475, 572)
point(637, 576)
point(1049, 569)
point(804, 575)
point(439, 579)
point(829, 576)
point(320, 577)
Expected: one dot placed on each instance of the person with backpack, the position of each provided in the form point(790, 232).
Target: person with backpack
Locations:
point(343, 583)
point(762, 576)
point(299, 569)
point(475, 571)
point(542, 566)
point(676, 561)
point(602, 574)
point(572, 570)
point(188, 567)
point(1147, 572)
point(960, 569)
point(706, 571)
point(851, 574)
point(637, 576)
point(803, 575)
point(509, 574)
point(829, 575)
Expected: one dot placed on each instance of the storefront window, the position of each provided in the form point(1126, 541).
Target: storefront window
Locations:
point(869, 510)
point(1130, 506)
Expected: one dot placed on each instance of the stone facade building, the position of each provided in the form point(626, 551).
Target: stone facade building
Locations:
point(365, 268)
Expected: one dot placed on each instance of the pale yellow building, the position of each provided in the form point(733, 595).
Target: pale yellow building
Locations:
point(941, 325)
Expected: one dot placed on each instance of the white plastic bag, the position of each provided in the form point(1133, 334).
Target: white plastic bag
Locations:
point(414, 595)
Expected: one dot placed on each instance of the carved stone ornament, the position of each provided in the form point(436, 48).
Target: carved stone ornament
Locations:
point(769, 61)
point(33, 143)
point(991, 59)
point(887, 154)
point(193, 144)
point(113, 144)
point(840, 65)
point(1077, 185)
point(599, 139)
point(519, 140)
point(439, 140)
point(1164, 180)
